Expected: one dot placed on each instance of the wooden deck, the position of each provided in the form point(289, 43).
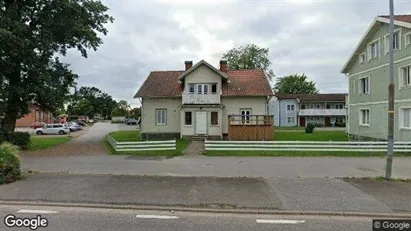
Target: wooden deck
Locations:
point(251, 127)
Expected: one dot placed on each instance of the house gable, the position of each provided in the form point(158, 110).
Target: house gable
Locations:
point(200, 64)
point(203, 74)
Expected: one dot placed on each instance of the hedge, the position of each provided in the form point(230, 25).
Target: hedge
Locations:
point(21, 139)
point(9, 163)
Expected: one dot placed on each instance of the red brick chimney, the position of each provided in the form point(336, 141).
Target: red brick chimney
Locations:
point(188, 64)
point(223, 65)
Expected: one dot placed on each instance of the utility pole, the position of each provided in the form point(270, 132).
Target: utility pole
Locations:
point(390, 144)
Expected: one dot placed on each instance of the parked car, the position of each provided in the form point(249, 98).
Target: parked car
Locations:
point(131, 121)
point(73, 126)
point(35, 125)
point(80, 122)
point(60, 129)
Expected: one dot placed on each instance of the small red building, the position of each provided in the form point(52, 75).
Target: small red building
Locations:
point(36, 114)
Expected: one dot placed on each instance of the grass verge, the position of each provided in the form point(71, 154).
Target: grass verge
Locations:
point(134, 136)
point(315, 136)
point(38, 143)
point(301, 153)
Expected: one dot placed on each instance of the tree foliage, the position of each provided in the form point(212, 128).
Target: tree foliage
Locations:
point(249, 57)
point(32, 33)
point(91, 101)
point(295, 84)
point(122, 109)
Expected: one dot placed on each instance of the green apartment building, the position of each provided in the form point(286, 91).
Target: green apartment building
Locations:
point(368, 75)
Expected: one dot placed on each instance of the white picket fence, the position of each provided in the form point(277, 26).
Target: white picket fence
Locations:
point(142, 145)
point(336, 146)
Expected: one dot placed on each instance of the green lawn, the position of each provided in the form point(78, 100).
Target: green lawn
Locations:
point(289, 128)
point(134, 136)
point(315, 136)
point(46, 142)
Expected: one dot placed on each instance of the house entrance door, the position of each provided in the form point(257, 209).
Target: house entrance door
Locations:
point(201, 122)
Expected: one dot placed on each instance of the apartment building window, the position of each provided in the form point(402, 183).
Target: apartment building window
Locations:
point(191, 88)
point(405, 117)
point(362, 58)
point(188, 118)
point(214, 88)
point(290, 107)
point(202, 88)
point(365, 85)
point(408, 39)
point(374, 50)
point(365, 117)
point(161, 116)
point(318, 106)
point(396, 43)
point(339, 106)
point(405, 75)
point(291, 120)
point(328, 106)
point(214, 118)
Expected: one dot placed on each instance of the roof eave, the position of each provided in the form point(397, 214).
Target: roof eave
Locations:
point(181, 77)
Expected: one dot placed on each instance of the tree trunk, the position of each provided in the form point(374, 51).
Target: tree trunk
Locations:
point(9, 122)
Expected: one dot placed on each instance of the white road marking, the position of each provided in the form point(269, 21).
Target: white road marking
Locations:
point(36, 211)
point(156, 217)
point(265, 221)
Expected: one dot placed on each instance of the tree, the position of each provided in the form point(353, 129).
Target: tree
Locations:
point(135, 112)
point(295, 84)
point(32, 33)
point(249, 57)
point(122, 109)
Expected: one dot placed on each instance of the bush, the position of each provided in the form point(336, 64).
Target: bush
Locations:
point(9, 163)
point(340, 124)
point(21, 139)
point(309, 128)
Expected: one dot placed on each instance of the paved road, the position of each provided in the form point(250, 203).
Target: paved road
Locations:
point(304, 194)
point(61, 218)
point(220, 166)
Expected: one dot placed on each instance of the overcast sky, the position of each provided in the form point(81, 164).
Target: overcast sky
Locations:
point(311, 37)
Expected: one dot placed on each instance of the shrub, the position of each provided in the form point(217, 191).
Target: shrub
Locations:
point(9, 163)
point(309, 128)
point(340, 124)
point(21, 139)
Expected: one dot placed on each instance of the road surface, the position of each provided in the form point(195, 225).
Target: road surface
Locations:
point(65, 218)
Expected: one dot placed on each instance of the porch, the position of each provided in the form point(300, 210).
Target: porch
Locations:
point(250, 127)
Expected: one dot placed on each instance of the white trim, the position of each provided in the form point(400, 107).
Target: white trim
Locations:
point(363, 38)
point(165, 117)
point(360, 116)
point(380, 102)
point(377, 67)
point(369, 49)
point(401, 118)
point(405, 39)
point(386, 48)
point(401, 79)
point(359, 58)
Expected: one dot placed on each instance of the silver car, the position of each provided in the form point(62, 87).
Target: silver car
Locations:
point(60, 129)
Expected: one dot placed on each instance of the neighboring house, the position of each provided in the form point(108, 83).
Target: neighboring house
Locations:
point(300, 109)
point(36, 114)
point(197, 101)
point(367, 71)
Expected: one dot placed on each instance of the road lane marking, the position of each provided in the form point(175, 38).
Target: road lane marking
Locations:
point(157, 217)
point(265, 221)
point(36, 211)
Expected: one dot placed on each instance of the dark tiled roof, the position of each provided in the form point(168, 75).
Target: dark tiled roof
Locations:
point(313, 97)
point(402, 18)
point(240, 83)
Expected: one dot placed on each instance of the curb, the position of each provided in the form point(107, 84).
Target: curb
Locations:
point(207, 210)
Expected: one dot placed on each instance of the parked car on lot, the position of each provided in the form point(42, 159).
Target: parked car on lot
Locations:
point(131, 121)
point(80, 122)
point(60, 129)
point(73, 126)
point(35, 125)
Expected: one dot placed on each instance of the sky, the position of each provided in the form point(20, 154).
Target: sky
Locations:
point(303, 36)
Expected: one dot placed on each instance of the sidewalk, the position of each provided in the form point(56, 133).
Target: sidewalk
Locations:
point(284, 167)
point(305, 194)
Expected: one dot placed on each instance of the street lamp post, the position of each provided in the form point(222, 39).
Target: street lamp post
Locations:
point(390, 143)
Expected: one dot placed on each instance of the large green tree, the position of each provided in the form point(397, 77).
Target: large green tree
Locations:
point(295, 84)
point(32, 34)
point(249, 57)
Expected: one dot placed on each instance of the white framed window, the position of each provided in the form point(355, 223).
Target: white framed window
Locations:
point(202, 88)
point(318, 106)
point(405, 76)
point(361, 58)
point(365, 117)
point(365, 85)
point(161, 116)
point(291, 120)
point(396, 43)
point(188, 118)
point(290, 107)
point(405, 118)
point(408, 39)
point(374, 49)
point(245, 115)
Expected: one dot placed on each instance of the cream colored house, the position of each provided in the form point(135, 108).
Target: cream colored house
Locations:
point(197, 101)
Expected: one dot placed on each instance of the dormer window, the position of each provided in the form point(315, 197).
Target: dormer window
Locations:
point(202, 88)
point(214, 88)
point(191, 88)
